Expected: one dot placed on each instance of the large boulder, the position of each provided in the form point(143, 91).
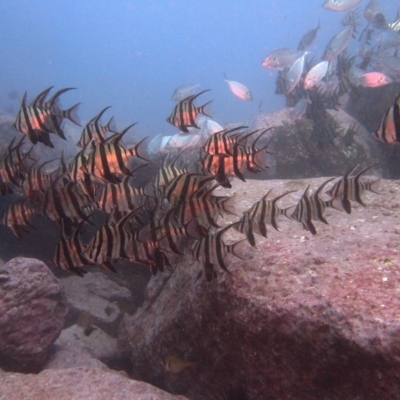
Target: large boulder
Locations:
point(87, 383)
point(33, 309)
point(307, 317)
point(305, 148)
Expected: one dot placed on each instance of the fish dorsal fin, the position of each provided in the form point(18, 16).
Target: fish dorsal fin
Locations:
point(53, 100)
point(96, 119)
point(39, 100)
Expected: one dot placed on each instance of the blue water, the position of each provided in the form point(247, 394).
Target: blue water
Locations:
point(133, 54)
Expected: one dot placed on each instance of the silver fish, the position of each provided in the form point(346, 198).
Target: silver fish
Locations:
point(308, 38)
point(239, 90)
point(183, 91)
point(280, 58)
point(315, 74)
point(340, 5)
point(338, 43)
point(300, 108)
point(293, 75)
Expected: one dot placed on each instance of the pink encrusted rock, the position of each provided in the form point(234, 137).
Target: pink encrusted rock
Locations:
point(88, 383)
point(307, 317)
point(32, 315)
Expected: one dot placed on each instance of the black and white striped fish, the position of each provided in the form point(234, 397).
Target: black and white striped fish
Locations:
point(389, 128)
point(184, 114)
point(351, 188)
point(312, 207)
point(263, 212)
point(211, 251)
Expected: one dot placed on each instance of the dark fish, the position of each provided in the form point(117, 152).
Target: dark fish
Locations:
point(308, 38)
point(351, 188)
point(36, 181)
point(389, 129)
point(210, 251)
point(17, 217)
point(312, 207)
point(65, 202)
point(68, 252)
point(185, 112)
point(181, 187)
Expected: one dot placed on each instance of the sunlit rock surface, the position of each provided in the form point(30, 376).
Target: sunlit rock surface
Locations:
point(96, 295)
point(87, 383)
point(307, 317)
point(32, 315)
point(76, 347)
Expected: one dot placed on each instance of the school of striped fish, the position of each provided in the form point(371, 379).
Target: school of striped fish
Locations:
point(174, 212)
point(147, 217)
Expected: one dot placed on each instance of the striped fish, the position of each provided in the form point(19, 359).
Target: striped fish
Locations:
point(68, 252)
point(9, 174)
point(36, 181)
point(169, 171)
point(204, 208)
point(220, 144)
point(312, 207)
point(39, 119)
point(94, 133)
point(76, 173)
point(185, 113)
point(110, 158)
point(17, 217)
point(263, 212)
point(169, 235)
point(389, 128)
point(67, 202)
point(181, 187)
point(121, 196)
point(211, 251)
point(351, 188)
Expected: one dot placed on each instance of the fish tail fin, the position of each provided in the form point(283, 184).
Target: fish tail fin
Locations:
point(287, 212)
point(206, 110)
point(135, 150)
point(72, 115)
point(228, 205)
point(374, 186)
point(336, 203)
point(238, 249)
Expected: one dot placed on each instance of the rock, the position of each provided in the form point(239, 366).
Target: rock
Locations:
point(307, 317)
point(303, 149)
point(33, 309)
point(87, 383)
point(80, 349)
point(97, 295)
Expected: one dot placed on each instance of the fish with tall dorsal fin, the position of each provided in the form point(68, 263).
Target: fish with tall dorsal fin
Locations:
point(351, 188)
point(184, 114)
